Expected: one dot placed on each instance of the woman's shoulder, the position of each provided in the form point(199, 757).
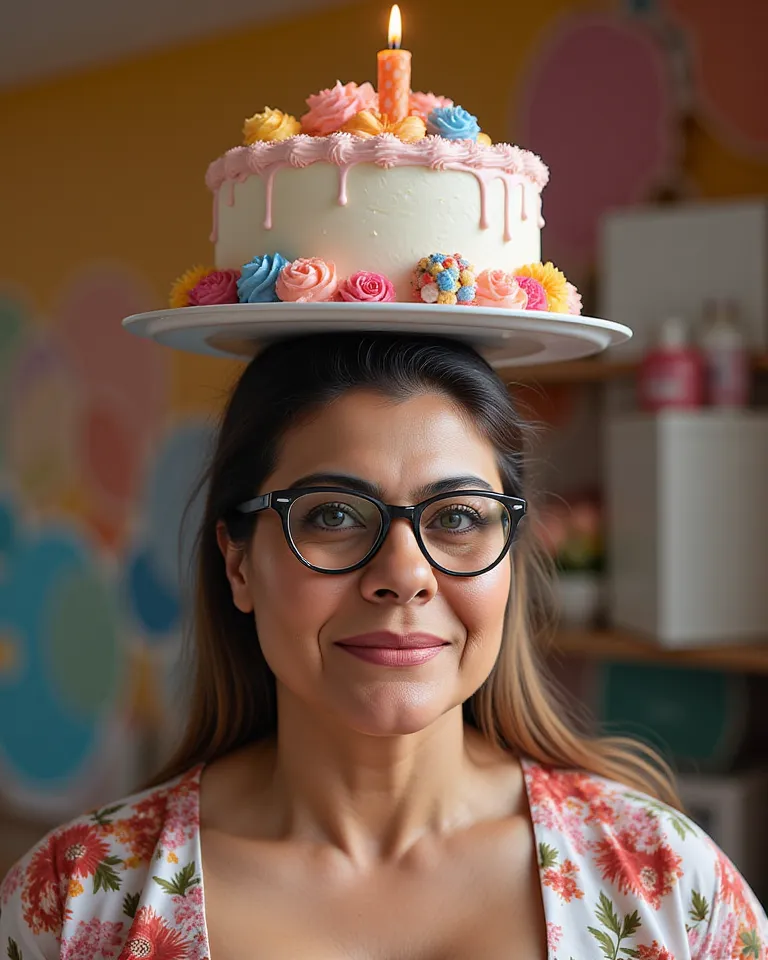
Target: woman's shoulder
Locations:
point(85, 879)
point(609, 848)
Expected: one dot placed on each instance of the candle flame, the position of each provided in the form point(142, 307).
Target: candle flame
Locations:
point(395, 28)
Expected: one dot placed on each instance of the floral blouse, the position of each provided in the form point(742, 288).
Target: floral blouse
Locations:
point(622, 876)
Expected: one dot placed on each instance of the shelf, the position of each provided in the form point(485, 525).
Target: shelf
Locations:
point(571, 371)
point(590, 370)
point(621, 645)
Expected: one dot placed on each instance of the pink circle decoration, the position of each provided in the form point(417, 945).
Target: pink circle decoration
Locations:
point(109, 444)
point(43, 400)
point(104, 356)
point(598, 109)
point(730, 67)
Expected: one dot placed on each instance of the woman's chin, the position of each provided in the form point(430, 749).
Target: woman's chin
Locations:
point(390, 713)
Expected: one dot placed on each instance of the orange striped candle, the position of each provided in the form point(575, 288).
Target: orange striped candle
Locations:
point(394, 73)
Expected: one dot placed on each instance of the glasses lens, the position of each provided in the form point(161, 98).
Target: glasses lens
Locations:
point(333, 531)
point(466, 533)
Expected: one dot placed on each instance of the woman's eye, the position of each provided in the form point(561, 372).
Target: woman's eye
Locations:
point(333, 516)
point(455, 520)
point(451, 521)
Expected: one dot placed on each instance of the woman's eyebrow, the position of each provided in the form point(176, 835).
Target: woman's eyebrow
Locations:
point(446, 485)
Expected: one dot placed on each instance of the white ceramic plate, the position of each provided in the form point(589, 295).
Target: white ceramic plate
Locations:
point(504, 337)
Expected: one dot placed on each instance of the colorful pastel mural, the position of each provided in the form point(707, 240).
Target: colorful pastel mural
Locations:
point(97, 470)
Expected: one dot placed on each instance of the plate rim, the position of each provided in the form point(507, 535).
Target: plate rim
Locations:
point(246, 318)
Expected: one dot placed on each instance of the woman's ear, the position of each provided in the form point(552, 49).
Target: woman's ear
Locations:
point(235, 563)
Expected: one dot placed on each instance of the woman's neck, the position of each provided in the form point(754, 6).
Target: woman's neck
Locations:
point(372, 797)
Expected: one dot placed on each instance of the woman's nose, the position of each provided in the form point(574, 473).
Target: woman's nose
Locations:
point(399, 573)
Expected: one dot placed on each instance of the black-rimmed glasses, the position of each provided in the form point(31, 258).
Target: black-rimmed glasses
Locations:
point(332, 530)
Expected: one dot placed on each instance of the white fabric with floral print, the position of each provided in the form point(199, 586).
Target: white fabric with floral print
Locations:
point(622, 875)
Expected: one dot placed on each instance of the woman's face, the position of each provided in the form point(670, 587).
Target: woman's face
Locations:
point(301, 615)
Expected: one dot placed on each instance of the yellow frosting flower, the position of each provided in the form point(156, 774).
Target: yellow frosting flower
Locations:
point(270, 125)
point(368, 123)
point(553, 281)
point(181, 288)
point(484, 140)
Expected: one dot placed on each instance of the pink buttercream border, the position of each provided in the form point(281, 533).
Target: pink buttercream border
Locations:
point(385, 150)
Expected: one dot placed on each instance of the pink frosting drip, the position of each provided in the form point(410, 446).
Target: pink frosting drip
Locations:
point(502, 161)
point(385, 150)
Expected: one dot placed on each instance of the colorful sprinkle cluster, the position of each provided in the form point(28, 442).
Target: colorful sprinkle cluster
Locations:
point(440, 278)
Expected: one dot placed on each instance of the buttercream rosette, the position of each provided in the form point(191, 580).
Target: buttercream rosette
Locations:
point(551, 280)
point(422, 104)
point(270, 126)
point(330, 109)
point(183, 285)
point(218, 286)
point(259, 277)
point(366, 287)
point(453, 123)
point(499, 288)
point(307, 280)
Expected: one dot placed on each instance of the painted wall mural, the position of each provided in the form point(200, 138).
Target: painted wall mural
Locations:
point(605, 79)
point(96, 466)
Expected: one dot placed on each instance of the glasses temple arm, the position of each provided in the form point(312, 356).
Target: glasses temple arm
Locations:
point(255, 505)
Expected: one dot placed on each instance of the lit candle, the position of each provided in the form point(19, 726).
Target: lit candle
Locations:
point(394, 73)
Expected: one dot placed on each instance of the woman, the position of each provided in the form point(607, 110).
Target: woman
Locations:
point(375, 766)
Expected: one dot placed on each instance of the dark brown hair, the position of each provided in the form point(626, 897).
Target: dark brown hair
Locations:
point(233, 695)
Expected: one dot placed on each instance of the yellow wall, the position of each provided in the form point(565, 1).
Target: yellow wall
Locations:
point(111, 162)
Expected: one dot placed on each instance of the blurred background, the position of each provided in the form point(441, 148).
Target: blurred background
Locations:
point(651, 116)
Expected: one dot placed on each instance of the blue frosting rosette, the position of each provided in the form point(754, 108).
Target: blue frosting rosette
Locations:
point(453, 123)
point(258, 278)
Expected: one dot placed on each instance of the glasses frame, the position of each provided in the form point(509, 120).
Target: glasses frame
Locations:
point(281, 502)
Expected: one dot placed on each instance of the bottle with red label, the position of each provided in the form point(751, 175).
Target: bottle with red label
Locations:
point(726, 358)
point(672, 372)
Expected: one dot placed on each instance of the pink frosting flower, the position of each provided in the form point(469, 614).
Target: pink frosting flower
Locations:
point(537, 295)
point(498, 288)
point(219, 286)
point(308, 279)
point(330, 109)
point(573, 299)
point(365, 287)
point(422, 104)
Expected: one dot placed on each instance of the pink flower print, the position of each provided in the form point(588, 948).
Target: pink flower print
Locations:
point(11, 883)
point(554, 935)
point(92, 939)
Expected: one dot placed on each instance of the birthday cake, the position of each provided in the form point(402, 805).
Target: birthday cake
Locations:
point(373, 197)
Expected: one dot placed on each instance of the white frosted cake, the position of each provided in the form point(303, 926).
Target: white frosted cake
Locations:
point(345, 204)
point(377, 204)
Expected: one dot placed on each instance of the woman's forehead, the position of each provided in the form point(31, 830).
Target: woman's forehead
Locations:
point(391, 443)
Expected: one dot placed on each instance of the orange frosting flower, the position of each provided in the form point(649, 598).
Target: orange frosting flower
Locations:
point(181, 288)
point(368, 123)
point(554, 283)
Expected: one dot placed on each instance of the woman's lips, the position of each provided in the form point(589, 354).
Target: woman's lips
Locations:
point(394, 656)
